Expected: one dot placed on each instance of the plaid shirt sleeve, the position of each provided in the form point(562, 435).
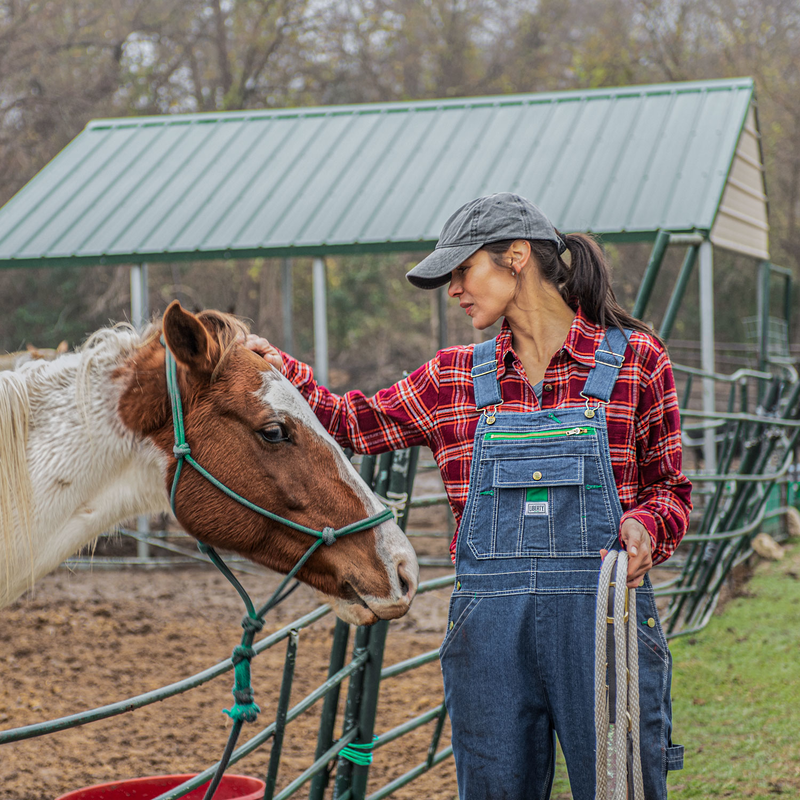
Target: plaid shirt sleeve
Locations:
point(400, 416)
point(663, 499)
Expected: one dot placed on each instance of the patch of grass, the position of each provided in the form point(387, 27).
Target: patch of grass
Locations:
point(736, 695)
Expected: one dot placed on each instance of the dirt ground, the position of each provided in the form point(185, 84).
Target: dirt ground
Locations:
point(86, 638)
point(90, 637)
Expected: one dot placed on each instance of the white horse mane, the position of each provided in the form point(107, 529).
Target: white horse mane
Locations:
point(19, 391)
point(15, 485)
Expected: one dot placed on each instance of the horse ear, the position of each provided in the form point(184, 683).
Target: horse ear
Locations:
point(188, 340)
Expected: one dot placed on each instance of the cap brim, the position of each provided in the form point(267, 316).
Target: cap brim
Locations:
point(434, 271)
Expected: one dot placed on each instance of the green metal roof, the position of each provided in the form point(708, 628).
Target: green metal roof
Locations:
point(622, 162)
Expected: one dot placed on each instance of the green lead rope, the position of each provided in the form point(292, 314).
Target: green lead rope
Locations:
point(245, 708)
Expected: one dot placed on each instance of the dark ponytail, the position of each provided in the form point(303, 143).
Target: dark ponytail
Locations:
point(586, 280)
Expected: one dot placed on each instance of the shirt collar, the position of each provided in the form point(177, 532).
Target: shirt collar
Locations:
point(582, 341)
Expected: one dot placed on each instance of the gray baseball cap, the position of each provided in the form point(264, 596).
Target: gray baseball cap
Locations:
point(479, 222)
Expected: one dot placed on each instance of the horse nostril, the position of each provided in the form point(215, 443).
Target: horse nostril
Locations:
point(408, 585)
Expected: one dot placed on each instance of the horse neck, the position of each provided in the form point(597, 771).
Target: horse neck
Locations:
point(86, 471)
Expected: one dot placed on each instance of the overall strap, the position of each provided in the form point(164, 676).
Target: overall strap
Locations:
point(609, 358)
point(484, 374)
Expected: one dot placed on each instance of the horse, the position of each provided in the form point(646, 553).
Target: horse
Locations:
point(87, 441)
point(31, 353)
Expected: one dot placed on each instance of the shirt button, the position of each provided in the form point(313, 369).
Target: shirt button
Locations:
point(537, 476)
point(548, 387)
point(451, 625)
point(651, 623)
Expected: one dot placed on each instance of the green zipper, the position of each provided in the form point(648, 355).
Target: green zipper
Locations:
point(508, 436)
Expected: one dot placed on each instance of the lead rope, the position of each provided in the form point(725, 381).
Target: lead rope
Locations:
point(245, 708)
point(610, 774)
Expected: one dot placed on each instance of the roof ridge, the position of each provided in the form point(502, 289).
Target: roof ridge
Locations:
point(416, 105)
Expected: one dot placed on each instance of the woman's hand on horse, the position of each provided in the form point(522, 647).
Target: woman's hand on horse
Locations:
point(259, 345)
point(640, 551)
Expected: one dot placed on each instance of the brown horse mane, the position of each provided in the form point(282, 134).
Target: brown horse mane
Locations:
point(227, 330)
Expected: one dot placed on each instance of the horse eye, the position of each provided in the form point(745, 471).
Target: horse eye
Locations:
point(274, 433)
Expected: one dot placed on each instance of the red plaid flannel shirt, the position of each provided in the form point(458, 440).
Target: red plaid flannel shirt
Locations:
point(435, 406)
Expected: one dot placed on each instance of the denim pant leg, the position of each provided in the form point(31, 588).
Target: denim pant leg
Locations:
point(655, 705)
point(501, 727)
point(565, 645)
point(567, 669)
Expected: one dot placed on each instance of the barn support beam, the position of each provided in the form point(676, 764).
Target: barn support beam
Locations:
point(651, 273)
point(442, 311)
point(320, 323)
point(140, 307)
point(287, 285)
point(707, 349)
point(140, 314)
point(763, 302)
point(677, 293)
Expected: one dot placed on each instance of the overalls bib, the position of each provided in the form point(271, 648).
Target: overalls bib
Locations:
point(518, 654)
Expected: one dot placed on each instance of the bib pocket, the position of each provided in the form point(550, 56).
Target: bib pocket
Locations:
point(528, 507)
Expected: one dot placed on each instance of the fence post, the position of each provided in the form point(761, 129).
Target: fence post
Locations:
point(344, 771)
point(369, 702)
point(280, 716)
point(320, 781)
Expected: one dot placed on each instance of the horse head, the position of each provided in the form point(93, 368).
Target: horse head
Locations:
point(251, 429)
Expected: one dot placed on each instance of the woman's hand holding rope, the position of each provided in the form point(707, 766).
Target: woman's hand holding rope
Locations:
point(637, 542)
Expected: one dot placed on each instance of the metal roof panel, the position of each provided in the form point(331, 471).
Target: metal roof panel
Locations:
point(619, 161)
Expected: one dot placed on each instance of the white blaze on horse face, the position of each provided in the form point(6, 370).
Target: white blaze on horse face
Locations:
point(393, 548)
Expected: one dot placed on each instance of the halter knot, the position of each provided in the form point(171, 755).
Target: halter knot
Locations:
point(242, 653)
point(181, 450)
point(244, 697)
point(328, 535)
point(251, 624)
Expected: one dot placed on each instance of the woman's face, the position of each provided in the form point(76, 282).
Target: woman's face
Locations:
point(483, 289)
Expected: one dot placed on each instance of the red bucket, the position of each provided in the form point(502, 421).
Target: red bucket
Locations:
point(231, 787)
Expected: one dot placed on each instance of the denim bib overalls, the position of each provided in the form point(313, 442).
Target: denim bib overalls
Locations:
point(518, 653)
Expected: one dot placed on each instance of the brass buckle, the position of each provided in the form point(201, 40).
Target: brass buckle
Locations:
point(491, 416)
point(590, 410)
point(611, 353)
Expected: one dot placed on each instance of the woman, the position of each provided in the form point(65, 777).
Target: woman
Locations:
point(557, 441)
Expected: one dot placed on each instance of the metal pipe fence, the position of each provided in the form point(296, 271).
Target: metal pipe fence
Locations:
point(756, 481)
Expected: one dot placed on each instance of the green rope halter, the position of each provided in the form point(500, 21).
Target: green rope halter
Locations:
point(183, 453)
point(245, 708)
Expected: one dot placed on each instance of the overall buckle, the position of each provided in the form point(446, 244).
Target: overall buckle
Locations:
point(590, 410)
point(491, 415)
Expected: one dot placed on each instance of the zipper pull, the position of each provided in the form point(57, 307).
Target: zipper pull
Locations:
point(572, 431)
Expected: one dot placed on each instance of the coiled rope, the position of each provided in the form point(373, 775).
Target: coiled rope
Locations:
point(616, 658)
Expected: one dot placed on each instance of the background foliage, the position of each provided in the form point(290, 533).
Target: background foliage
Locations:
point(64, 62)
